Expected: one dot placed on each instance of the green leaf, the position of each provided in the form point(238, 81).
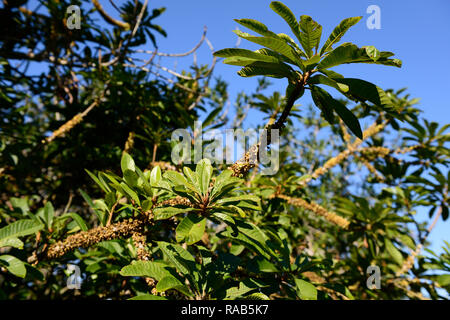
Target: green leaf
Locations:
point(130, 193)
point(293, 44)
point(250, 236)
point(256, 26)
point(310, 34)
point(163, 213)
point(224, 217)
point(278, 45)
point(346, 115)
point(256, 296)
point(350, 53)
point(305, 290)
point(443, 280)
point(11, 242)
point(49, 214)
point(153, 269)
point(131, 178)
point(127, 162)
point(345, 53)
point(274, 70)
point(147, 297)
point(170, 282)
point(181, 258)
point(255, 56)
point(320, 100)
point(193, 178)
point(209, 120)
point(365, 91)
point(338, 32)
point(155, 176)
point(248, 197)
point(331, 74)
point(204, 171)
point(393, 251)
point(101, 184)
point(20, 228)
point(191, 229)
point(175, 178)
point(243, 288)
point(372, 52)
point(14, 265)
point(287, 16)
point(311, 62)
point(87, 198)
point(238, 61)
point(223, 180)
point(79, 220)
point(406, 240)
point(320, 79)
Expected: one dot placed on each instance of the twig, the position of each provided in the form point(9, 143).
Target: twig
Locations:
point(177, 54)
point(108, 18)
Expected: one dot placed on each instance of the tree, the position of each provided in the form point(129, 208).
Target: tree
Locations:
point(340, 206)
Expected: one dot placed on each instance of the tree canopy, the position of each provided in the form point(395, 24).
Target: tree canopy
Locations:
point(87, 180)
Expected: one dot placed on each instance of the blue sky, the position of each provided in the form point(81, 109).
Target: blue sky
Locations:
point(416, 31)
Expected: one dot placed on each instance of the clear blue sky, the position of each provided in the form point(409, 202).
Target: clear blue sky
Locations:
point(418, 32)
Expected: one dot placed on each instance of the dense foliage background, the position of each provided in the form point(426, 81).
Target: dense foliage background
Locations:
point(86, 177)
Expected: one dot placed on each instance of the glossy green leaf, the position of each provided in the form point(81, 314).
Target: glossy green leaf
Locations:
point(79, 220)
point(372, 52)
point(284, 12)
point(305, 290)
point(393, 251)
point(14, 265)
point(99, 182)
point(365, 91)
point(127, 162)
point(170, 282)
point(248, 197)
point(155, 176)
point(191, 229)
point(20, 228)
point(338, 32)
point(11, 242)
point(310, 34)
point(255, 56)
point(181, 258)
point(204, 172)
point(277, 45)
point(346, 115)
point(350, 53)
point(129, 192)
point(193, 178)
point(131, 178)
point(320, 100)
point(148, 297)
point(279, 70)
point(163, 213)
point(49, 214)
point(320, 79)
point(224, 217)
point(153, 269)
point(256, 26)
point(175, 178)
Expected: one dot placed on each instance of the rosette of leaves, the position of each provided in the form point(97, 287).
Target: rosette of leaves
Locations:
point(220, 199)
point(307, 65)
